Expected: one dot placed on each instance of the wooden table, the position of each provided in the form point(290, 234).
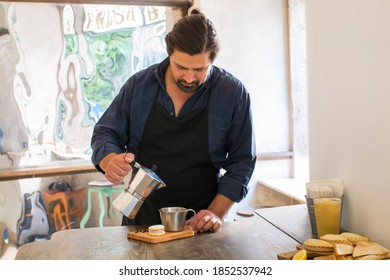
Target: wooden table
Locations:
point(252, 238)
point(292, 220)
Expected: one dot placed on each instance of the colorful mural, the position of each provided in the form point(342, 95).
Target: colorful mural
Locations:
point(61, 66)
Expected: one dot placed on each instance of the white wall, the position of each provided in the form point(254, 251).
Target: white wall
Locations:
point(348, 43)
point(254, 47)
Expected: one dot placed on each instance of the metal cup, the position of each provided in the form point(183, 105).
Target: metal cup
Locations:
point(174, 218)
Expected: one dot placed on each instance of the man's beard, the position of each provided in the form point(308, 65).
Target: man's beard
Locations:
point(191, 88)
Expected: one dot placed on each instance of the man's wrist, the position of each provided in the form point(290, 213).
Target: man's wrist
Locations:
point(104, 162)
point(220, 206)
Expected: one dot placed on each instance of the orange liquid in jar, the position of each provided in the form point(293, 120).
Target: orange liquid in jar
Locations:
point(328, 215)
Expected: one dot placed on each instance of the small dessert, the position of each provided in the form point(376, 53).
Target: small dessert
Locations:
point(319, 245)
point(354, 238)
point(156, 230)
point(335, 239)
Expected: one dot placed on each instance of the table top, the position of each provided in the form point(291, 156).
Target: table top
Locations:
point(252, 238)
point(292, 220)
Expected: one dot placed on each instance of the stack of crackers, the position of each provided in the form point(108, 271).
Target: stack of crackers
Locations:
point(347, 246)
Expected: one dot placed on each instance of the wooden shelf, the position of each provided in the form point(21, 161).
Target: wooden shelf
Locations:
point(55, 168)
point(169, 3)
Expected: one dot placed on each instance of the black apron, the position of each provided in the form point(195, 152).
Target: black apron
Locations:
point(179, 148)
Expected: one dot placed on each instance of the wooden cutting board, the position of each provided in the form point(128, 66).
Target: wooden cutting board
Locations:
point(168, 236)
point(310, 254)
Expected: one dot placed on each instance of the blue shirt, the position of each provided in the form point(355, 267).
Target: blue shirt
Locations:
point(230, 131)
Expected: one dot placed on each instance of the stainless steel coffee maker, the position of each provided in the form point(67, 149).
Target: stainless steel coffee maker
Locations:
point(139, 187)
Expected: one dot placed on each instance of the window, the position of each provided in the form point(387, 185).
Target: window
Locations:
point(62, 65)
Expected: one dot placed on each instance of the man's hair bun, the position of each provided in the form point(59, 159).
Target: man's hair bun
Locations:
point(195, 11)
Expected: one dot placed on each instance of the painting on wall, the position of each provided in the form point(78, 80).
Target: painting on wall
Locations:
point(60, 67)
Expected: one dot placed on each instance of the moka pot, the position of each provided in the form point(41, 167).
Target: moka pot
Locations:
point(144, 183)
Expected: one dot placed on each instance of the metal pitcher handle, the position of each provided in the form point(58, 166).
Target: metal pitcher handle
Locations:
point(193, 216)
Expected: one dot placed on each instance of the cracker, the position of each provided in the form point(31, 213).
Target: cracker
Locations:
point(318, 245)
point(364, 248)
point(354, 238)
point(343, 249)
point(325, 258)
point(335, 239)
point(372, 257)
point(343, 257)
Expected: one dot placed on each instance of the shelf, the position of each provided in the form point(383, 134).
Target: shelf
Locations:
point(55, 168)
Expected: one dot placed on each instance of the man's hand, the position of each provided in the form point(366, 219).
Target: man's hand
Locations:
point(205, 220)
point(211, 219)
point(116, 166)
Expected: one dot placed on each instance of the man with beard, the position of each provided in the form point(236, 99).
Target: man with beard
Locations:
point(189, 118)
